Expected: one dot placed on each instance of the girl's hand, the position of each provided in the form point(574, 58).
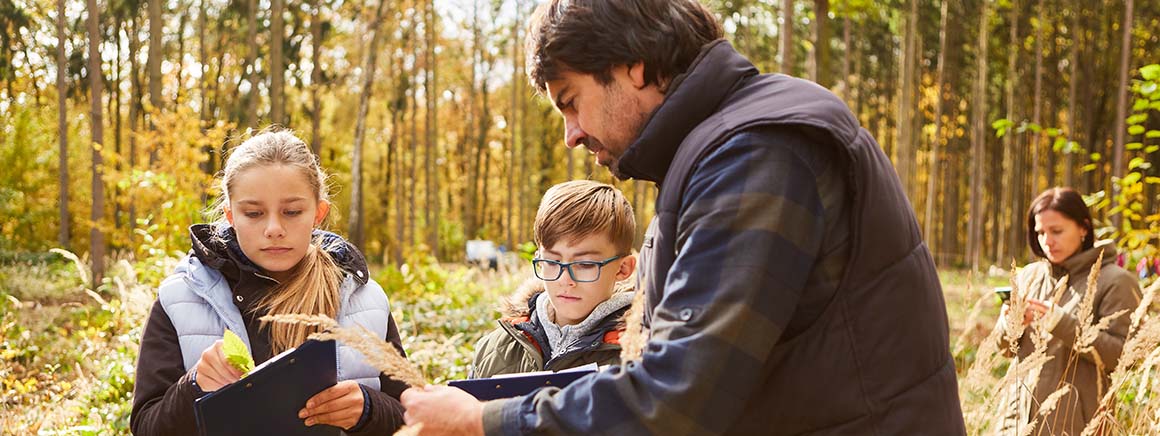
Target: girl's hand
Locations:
point(340, 405)
point(213, 371)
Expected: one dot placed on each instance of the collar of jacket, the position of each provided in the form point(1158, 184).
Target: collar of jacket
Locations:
point(691, 98)
point(1079, 265)
point(217, 246)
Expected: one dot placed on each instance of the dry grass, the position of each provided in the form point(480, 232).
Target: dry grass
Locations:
point(85, 342)
point(633, 340)
point(1129, 404)
point(379, 353)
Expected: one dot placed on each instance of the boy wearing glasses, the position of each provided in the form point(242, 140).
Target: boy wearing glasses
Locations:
point(571, 313)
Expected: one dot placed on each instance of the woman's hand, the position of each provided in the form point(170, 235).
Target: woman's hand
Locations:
point(340, 405)
point(1036, 309)
point(213, 371)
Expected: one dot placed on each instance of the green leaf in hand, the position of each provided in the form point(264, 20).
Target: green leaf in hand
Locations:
point(236, 353)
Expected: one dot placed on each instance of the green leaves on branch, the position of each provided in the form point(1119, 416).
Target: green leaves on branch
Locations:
point(1140, 163)
point(1001, 126)
point(236, 353)
point(1151, 72)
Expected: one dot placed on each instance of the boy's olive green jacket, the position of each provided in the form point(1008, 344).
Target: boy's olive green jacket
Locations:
point(519, 343)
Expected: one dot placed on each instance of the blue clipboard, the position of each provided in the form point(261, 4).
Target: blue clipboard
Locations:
point(268, 399)
point(514, 385)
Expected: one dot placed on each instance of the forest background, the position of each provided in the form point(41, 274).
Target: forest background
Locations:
point(116, 114)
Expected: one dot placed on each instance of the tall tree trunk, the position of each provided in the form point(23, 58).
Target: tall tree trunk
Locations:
point(251, 109)
point(179, 66)
point(978, 145)
point(482, 154)
point(1072, 91)
point(355, 220)
point(785, 31)
point(468, 153)
point(277, 73)
point(856, 81)
point(932, 175)
point(154, 66)
point(135, 112)
point(156, 30)
point(316, 79)
point(97, 215)
point(905, 149)
point(1121, 123)
point(1010, 198)
point(822, 43)
point(1037, 105)
point(400, 181)
point(430, 91)
point(115, 112)
point(64, 235)
point(847, 52)
point(203, 84)
point(513, 147)
point(413, 192)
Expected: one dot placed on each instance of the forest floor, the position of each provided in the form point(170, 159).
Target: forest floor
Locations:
point(68, 355)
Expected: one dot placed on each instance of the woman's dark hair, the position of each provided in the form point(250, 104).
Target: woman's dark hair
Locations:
point(594, 36)
point(1067, 202)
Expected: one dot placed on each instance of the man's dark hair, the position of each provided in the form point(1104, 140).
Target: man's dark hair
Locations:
point(594, 36)
point(1067, 202)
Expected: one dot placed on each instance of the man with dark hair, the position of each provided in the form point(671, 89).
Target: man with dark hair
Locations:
point(788, 288)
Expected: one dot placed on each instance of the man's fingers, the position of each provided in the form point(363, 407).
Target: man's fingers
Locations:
point(409, 397)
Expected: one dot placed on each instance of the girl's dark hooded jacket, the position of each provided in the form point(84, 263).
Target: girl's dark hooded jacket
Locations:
point(163, 395)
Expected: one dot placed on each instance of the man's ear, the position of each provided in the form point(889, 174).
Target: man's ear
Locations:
point(320, 213)
point(636, 75)
point(627, 267)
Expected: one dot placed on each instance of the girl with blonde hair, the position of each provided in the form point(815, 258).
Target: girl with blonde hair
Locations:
point(265, 255)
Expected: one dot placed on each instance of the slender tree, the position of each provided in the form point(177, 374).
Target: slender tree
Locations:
point(1122, 108)
point(203, 84)
point(355, 220)
point(939, 86)
point(786, 33)
point(277, 70)
point(1011, 197)
point(513, 147)
point(1072, 92)
point(96, 82)
point(64, 233)
point(251, 67)
point(156, 30)
point(1037, 104)
point(978, 144)
point(822, 43)
point(316, 78)
point(904, 152)
point(430, 91)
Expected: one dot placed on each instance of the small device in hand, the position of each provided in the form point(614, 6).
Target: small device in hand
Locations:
point(1004, 293)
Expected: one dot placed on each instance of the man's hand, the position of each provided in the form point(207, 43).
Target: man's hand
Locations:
point(443, 410)
point(340, 405)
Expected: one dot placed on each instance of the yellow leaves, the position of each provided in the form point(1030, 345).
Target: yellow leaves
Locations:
point(20, 387)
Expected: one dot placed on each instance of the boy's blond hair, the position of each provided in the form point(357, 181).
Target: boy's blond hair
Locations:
point(576, 209)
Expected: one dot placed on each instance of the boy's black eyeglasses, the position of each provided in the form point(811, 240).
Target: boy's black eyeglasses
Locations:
point(581, 271)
